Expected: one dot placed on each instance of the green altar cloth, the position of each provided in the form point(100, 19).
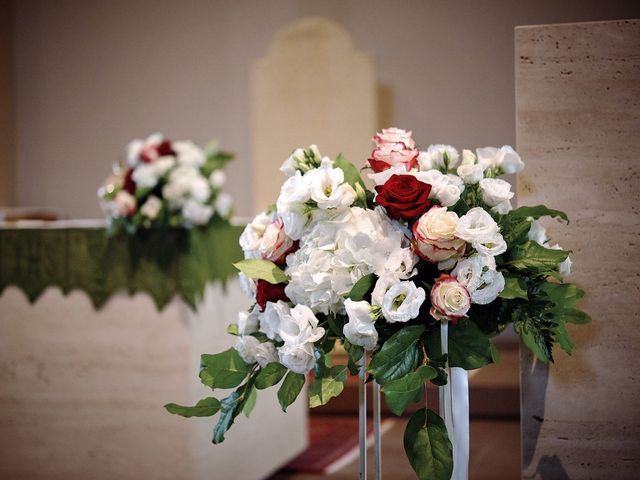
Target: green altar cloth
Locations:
point(161, 262)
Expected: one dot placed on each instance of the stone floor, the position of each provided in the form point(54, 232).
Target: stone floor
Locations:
point(495, 454)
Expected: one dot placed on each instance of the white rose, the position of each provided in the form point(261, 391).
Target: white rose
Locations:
point(537, 233)
point(360, 329)
point(151, 207)
point(478, 274)
point(251, 236)
point(505, 157)
point(402, 302)
point(450, 300)
point(265, 353)
point(188, 153)
point(271, 318)
point(223, 204)
point(438, 153)
point(434, 235)
point(496, 193)
point(248, 322)
point(217, 179)
point(327, 187)
point(246, 347)
point(195, 213)
point(123, 204)
point(275, 243)
point(299, 358)
point(470, 173)
point(300, 326)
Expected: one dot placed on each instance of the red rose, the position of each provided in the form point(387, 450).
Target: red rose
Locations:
point(128, 185)
point(268, 292)
point(404, 197)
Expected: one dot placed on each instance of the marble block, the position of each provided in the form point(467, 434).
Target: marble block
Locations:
point(578, 119)
point(313, 86)
point(82, 392)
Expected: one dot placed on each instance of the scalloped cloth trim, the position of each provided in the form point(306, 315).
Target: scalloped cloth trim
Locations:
point(160, 262)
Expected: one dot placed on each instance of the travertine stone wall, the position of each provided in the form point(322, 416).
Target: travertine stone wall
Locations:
point(313, 86)
point(578, 130)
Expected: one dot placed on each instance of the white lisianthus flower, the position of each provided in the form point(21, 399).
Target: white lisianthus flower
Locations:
point(199, 188)
point(196, 213)
point(151, 207)
point(265, 353)
point(446, 189)
point(300, 326)
point(470, 173)
point(223, 204)
point(381, 178)
point(247, 285)
point(146, 175)
point(301, 160)
point(505, 157)
point(251, 236)
point(217, 179)
point(249, 322)
point(450, 300)
point(123, 204)
point(478, 274)
point(565, 267)
point(360, 329)
point(288, 167)
point(295, 192)
point(497, 193)
point(299, 358)
point(434, 236)
point(441, 156)
point(272, 317)
point(188, 153)
point(424, 161)
point(468, 157)
point(537, 233)
point(400, 301)
point(479, 229)
point(327, 187)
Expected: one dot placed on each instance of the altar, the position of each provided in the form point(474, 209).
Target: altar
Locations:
point(83, 388)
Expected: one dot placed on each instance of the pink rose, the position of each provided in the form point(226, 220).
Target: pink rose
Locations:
point(434, 237)
point(450, 300)
point(394, 146)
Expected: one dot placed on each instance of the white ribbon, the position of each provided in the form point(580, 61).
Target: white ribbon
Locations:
point(454, 409)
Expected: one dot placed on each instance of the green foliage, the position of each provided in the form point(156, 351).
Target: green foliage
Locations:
point(537, 212)
point(354, 354)
point(514, 287)
point(290, 389)
point(362, 287)
point(469, 347)
point(351, 174)
point(428, 447)
point(228, 412)
point(401, 393)
point(249, 405)
point(204, 408)
point(223, 370)
point(398, 356)
point(330, 384)
point(536, 259)
point(270, 375)
point(261, 269)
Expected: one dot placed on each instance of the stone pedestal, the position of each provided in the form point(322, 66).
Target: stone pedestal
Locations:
point(82, 392)
point(313, 86)
point(578, 118)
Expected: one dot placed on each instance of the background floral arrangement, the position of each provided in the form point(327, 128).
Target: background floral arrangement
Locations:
point(437, 241)
point(166, 183)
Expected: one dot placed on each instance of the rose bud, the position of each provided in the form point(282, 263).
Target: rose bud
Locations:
point(404, 197)
point(450, 300)
point(434, 237)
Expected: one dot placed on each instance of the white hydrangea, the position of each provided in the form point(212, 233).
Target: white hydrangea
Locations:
point(196, 213)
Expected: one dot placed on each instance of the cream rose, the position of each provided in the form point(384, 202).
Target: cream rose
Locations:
point(450, 300)
point(434, 236)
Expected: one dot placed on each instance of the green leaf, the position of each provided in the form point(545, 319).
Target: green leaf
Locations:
point(513, 288)
point(330, 385)
point(228, 412)
point(562, 337)
point(469, 347)
point(351, 174)
point(572, 315)
point(362, 287)
point(204, 408)
point(537, 212)
point(565, 295)
point(428, 447)
point(250, 402)
point(537, 259)
point(398, 356)
point(404, 391)
point(223, 370)
point(290, 389)
point(354, 354)
point(270, 375)
point(261, 269)
point(539, 343)
point(232, 329)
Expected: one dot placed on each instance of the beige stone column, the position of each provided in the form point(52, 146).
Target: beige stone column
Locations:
point(313, 86)
point(578, 125)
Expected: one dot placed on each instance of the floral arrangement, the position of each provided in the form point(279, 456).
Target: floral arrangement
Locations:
point(378, 271)
point(166, 183)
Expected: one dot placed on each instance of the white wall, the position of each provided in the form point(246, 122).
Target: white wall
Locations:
point(90, 75)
